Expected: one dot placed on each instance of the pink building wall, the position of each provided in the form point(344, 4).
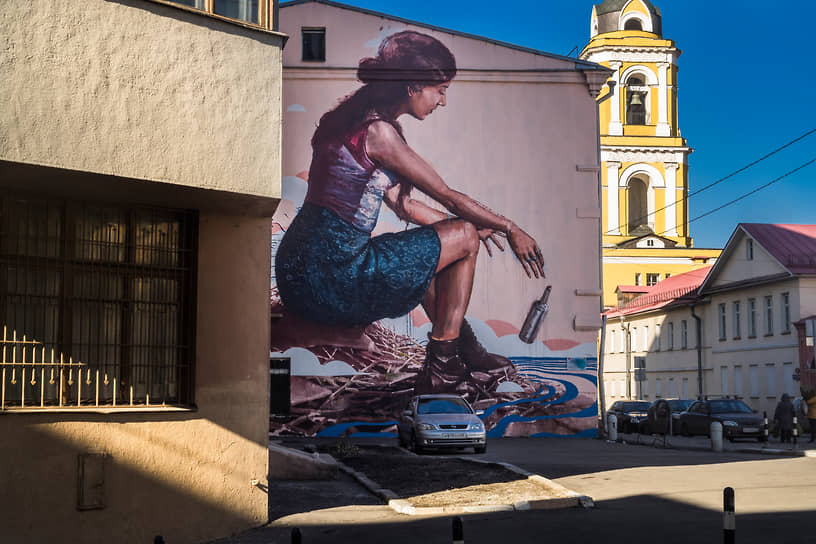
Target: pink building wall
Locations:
point(518, 134)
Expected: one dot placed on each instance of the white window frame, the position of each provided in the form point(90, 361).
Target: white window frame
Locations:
point(723, 380)
point(753, 377)
point(736, 320)
point(683, 334)
point(738, 380)
point(785, 313)
point(769, 315)
point(721, 320)
point(770, 380)
point(670, 336)
point(646, 338)
point(752, 318)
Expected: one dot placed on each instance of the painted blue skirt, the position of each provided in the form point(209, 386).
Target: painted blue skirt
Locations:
point(331, 272)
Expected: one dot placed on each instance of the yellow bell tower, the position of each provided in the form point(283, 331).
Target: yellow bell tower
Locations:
point(644, 158)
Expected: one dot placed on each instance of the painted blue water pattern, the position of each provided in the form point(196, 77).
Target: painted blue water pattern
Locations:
point(501, 426)
point(537, 369)
point(340, 429)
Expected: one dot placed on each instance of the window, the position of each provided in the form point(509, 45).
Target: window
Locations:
point(721, 319)
point(787, 376)
point(685, 392)
point(657, 337)
point(768, 315)
point(753, 371)
point(786, 313)
point(637, 278)
point(652, 279)
point(650, 243)
point(670, 336)
point(658, 393)
point(738, 380)
point(723, 380)
point(636, 94)
point(101, 291)
point(612, 341)
point(749, 250)
point(736, 306)
point(683, 334)
point(645, 338)
point(671, 388)
point(666, 275)
point(257, 12)
point(314, 44)
point(770, 380)
point(634, 344)
point(751, 318)
point(644, 388)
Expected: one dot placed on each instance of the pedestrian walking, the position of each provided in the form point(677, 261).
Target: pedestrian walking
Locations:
point(783, 417)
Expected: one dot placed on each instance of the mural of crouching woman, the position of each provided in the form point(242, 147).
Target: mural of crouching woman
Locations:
point(332, 271)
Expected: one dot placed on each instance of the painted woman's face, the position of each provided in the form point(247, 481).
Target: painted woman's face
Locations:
point(423, 102)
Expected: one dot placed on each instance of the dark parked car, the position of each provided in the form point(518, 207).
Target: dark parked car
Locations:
point(655, 422)
point(736, 417)
point(441, 421)
point(630, 414)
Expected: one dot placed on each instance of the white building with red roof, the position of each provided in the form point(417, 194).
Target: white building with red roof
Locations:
point(755, 308)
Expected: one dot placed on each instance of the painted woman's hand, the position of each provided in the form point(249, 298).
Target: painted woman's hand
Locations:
point(527, 251)
point(490, 235)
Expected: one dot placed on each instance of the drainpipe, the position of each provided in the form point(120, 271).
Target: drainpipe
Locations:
point(627, 338)
point(699, 353)
point(601, 388)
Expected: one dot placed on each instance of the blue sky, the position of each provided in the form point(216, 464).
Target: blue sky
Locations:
point(746, 86)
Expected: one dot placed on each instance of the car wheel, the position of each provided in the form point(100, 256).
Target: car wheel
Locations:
point(480, 449)
point(414, 445)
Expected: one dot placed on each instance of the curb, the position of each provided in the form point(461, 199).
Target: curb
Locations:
point(569, 498)
point(656, 442)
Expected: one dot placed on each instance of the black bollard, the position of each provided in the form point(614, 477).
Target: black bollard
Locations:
point(458, 531)
point(795, 431)
point(765, 426)
point(729, 521)
point(295, 536)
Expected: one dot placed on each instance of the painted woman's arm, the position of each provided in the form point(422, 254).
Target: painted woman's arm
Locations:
point(419, 213)
point(387, 148)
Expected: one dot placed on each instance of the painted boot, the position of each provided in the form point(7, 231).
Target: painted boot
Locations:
point(477, 358)
point(443, 369)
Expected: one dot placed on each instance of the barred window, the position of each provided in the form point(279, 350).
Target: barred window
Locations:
point(97, 304)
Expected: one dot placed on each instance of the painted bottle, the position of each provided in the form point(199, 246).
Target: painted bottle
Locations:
point(535, 316)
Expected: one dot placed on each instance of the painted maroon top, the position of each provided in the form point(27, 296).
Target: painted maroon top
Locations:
point(343, 179)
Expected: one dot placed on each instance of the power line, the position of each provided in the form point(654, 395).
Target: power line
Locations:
point(741, 197)
point(749, 193)
point(717, 182)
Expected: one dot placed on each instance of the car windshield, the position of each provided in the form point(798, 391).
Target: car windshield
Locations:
point(678, 405)
point(635, 406)
point(729, 407)
point(442, 406)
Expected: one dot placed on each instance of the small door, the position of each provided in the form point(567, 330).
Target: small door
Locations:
point(279, 385)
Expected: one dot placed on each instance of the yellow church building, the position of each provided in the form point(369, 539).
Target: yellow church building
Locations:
point(644, 158)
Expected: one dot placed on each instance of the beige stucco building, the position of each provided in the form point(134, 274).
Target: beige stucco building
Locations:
point(754, 306)
point(139, 166)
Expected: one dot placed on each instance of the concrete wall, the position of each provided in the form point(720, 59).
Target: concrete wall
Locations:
point(114, 92)
point(140, 90)
point(184, 475)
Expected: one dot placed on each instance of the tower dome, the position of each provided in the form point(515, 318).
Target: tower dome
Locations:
point(633, 15)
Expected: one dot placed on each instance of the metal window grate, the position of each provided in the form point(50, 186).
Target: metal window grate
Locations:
point(96, 304)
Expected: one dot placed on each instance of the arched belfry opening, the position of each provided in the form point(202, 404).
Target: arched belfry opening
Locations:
point(638, 204)
point(636, 95)
point(633, 24)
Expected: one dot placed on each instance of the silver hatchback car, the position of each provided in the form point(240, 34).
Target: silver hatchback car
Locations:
point(441, 421)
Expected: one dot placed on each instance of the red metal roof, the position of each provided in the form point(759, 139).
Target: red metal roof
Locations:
point(664, 292)
point(794, 246)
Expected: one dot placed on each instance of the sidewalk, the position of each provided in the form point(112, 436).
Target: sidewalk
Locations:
point(802, 448)
point(643, 493)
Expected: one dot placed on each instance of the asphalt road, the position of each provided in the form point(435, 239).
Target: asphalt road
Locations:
point(643, 493)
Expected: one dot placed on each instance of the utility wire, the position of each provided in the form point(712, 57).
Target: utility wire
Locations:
point(717, 182)
point(741, 197)
point(749, 193)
